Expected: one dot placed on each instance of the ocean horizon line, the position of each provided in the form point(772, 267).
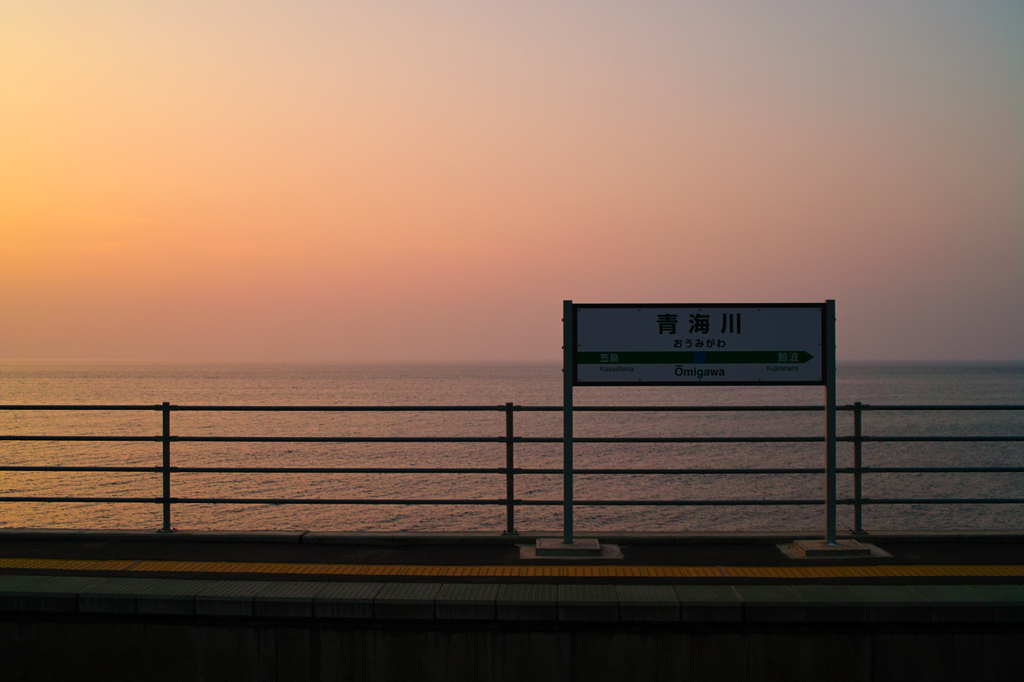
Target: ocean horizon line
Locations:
point(442, 363)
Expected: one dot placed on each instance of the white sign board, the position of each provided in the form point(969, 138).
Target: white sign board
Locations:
point(673, 344)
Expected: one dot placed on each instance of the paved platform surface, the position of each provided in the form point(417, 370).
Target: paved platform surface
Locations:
point(722, 578)
point(988, 558)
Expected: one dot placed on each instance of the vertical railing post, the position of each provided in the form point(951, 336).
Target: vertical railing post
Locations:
point(568, 358)
point(829, 353)
point(166, 410)
point(857, 520)
point(510, 480)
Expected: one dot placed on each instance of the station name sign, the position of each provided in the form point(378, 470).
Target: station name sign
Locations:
point(698, 344)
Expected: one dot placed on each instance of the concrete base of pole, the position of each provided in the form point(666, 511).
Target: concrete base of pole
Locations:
point(557, 547)
point(584, 547)
point(553, 549)
point(842, 549)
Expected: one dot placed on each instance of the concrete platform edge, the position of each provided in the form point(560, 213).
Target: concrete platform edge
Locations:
point(420, 601)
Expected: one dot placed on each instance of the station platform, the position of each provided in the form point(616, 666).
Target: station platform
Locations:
point(313, 606)
point(724, 558)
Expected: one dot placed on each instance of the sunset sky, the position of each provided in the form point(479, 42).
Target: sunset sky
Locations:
point(427, 181)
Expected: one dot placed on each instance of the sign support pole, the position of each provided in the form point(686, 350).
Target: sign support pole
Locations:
point(567, 376)
point(829, 351)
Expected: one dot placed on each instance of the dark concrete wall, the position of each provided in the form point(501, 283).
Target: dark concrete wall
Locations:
point(134, 648)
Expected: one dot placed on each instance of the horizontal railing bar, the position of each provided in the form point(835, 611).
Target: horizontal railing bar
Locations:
point(113, 408)
point(335, 470)
point(327, 500)
point(517, 439)
point(263, 470)
point(935, 470)
point(94, 439)
point(760, 408)
point(819, 470)
point(771, 439)
point(795, 470)
point(503, 408)
point(338, 439)
point(936, 439)
point(919, 408)
point(941, 500)
point(779, 439)
point(673, 408)
point(671, 503)
point(412, 439)
point(255, 501)
point(338, 408)
point(363, 501)
point(499, 470)
point(677, 439)
point(589, 503)
point(112, 500)
point(16, 467)
point(737, 503)
point(267, 408)
point(617, 472)
point(265, 439)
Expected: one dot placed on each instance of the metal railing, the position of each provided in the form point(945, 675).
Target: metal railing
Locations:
point(509, 471)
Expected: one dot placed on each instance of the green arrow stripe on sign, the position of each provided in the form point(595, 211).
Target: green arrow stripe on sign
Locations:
point(717, 357)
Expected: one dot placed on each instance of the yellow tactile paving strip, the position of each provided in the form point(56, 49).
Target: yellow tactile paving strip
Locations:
point(66, 564)
point(546, 571)
point(437, 571)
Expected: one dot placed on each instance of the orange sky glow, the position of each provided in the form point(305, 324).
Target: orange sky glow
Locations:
point(427, 181)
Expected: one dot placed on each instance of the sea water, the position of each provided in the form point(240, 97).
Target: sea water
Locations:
point(110, 383)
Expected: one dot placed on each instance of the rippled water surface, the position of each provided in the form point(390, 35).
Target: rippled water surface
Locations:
point(527, 384)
